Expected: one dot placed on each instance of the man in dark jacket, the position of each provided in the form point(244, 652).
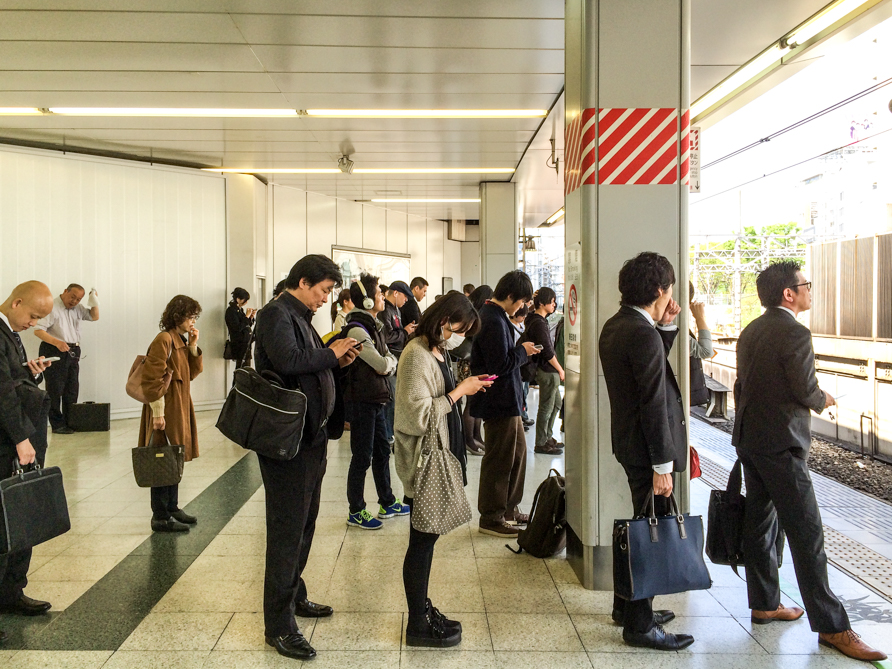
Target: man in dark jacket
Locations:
point(504, 461)
point(367, 392)
point(647, 420)
point(410, 311)
point(22, 424)
point(287, 344)
point(776, 389)
point(549, 373)
point(396, 335)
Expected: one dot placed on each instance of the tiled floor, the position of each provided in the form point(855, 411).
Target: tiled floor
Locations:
point(517, 611)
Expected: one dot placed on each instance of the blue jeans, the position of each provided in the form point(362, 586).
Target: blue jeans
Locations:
point(371, 448)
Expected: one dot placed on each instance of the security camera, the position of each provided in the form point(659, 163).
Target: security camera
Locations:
point(345, 165)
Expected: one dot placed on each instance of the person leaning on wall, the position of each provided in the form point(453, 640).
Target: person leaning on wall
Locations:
point(239, 322)
point(171, 415)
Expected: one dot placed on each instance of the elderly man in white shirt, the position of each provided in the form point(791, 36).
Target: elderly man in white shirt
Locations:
point(60, 337)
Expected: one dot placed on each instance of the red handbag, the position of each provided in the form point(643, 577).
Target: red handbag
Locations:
point(695, 464)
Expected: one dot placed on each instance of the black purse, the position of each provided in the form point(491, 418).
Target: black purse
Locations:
point(658, 555)
point(227, 351)
point(158, 466)
point(260, 414)
point(34, 507)
point(724, 536)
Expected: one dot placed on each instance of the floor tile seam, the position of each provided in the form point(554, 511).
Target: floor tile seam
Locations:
point(223, 631)
point(579, 637)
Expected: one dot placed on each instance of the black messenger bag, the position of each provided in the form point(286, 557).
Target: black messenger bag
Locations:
point(658, 555)
point(260, 414)
point(34, 507)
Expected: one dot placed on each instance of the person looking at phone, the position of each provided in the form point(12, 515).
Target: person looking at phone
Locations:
point(504, 460)
point(410, 312)
point(549, 373)
point(60, 335)
point(239, 323)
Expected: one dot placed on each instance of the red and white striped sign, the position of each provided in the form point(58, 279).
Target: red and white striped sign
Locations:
point(634, 146)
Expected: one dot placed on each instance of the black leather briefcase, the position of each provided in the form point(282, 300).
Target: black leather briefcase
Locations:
point(658, 555)
point(34, 508)
point(89, 417)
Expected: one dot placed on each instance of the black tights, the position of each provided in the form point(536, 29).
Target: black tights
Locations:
point(417, 570)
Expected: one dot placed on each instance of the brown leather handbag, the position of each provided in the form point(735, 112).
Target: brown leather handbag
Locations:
point(135, 377)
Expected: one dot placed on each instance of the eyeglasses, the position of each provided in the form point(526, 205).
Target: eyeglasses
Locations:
point(807, 285)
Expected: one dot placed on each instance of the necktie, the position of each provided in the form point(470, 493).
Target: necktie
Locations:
point(20, 346)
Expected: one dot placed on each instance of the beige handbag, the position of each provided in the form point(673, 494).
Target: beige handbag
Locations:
point(134, 379)
point(440, 503)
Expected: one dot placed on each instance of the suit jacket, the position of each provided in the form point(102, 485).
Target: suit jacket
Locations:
point(647, 421)
point(16, 422)
point(776, 386)
point(494, 351)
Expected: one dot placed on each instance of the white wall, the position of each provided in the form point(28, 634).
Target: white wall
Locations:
point(310, 223)
point(139, 234)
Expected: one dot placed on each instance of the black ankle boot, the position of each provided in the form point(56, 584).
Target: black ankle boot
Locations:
point(428, 631)
point(435, 614)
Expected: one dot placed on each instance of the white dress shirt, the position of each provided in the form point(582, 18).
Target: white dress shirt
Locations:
point(63, 323)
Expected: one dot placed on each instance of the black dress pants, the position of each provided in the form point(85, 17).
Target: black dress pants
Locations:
point(165, 500)
point(13, 566)
point(417, 569)
point(62, 382)
point(638, 614)
point(778, 486)
point(293, 490)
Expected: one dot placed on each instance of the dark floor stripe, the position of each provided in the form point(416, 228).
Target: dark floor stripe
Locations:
point(104, 616)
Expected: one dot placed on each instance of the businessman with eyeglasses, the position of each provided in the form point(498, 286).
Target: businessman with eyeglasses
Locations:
point(776, 389)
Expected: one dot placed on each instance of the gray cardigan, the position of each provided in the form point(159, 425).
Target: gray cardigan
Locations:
point(420, 398)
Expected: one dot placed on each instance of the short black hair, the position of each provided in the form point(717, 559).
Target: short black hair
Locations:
point(418, 282)
point(240, 294)
point(772, 281)
point(369, 282)
point(279, 289)
point(544, 297)
point(453, 307)
point(468, 288)
point(516, 285)
point(480, 295)
point(523, 312)
point(315, 269)
point(642, 277)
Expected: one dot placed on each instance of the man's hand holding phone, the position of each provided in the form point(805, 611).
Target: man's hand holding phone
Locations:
point(346, 350)
point(38, 366)
point(530, 348)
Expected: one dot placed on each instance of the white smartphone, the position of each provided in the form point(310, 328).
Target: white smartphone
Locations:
point(53, 359)
point(538, 347)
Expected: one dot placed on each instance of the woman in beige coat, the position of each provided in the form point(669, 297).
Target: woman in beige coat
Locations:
point(172, 414)
point(426, 391)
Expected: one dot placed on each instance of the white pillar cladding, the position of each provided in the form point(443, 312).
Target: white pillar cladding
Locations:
point(498, 231)
point(627, 99)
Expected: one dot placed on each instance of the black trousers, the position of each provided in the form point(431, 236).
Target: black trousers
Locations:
point(779, 486)
point(417, 571)
point(13, 566)
point(638, 615)
point(293, 490)
point(370, 445)
point(62, 384)
point(164, 501)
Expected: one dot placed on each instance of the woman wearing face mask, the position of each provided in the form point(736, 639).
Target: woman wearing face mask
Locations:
point(472, 427)
point(426, 391)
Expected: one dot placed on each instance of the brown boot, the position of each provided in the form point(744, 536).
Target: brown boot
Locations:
point(849, 643)
point(782, 613)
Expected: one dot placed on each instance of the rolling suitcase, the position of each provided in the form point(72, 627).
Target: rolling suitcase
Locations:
point(89, 417)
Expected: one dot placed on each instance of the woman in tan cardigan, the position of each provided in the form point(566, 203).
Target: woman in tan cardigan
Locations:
point(426, 391)
point(175, 349)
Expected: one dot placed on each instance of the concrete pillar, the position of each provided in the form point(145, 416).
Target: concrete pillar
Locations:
point(498, 231)
point(627, 99)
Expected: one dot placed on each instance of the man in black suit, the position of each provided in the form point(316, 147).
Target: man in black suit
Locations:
point(22, 428)
point(775, 389)
point(647, 421)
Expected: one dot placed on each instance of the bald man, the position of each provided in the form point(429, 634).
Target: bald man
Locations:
point(23, 414)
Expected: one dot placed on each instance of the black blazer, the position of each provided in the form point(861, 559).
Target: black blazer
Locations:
point(647, 421)
point(15, 425)
point(238, 324)
point(776, 386)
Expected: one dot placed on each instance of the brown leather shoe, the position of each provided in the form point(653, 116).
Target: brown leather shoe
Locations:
point(849, 643)
point(499, 529)
point(782, 613)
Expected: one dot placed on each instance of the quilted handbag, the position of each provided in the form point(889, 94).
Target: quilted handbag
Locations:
point(440, 503)
point(158, 466)
point(34, 507)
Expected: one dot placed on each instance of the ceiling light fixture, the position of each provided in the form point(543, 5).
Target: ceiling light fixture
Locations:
point(345, 165)
point(823, 20)
point(427, 113)
point(19, 111)
point(363, 170)
point(274, 170)
point(171, 111)
point(418, 200)
point(555, 217)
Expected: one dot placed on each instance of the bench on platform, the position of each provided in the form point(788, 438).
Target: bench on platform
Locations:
point(717, 409)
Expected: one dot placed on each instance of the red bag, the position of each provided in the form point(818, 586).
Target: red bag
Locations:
point(695, 464)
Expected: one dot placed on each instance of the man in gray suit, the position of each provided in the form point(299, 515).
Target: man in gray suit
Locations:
point(775, 390)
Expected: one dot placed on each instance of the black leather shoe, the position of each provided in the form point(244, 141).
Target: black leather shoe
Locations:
point(183, 517)
point(529, 422)
point(169, 525)
point(446, 622)
point(658, 639)
point(660, 617)
point(293, 646)
point(26, 606)
point(63, 430)
point(308, 609)
point(3, 637)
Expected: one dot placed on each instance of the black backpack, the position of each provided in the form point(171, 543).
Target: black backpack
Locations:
point(546, 533)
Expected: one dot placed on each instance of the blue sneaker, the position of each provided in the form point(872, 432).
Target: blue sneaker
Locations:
point(364, 521)
point(395, 509)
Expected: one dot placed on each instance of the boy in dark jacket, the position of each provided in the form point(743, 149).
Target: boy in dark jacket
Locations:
point(549, 372)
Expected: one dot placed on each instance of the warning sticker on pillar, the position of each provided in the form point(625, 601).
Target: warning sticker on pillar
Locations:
point(639, 146)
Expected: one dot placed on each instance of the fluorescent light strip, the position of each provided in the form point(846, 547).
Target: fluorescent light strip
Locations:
point(411, 200)
point(756, 66)
point(19, 111)
point(556, 216)
point(171, 111)
point(825, 19)
point(274, 170)
point(373, 170)
point(428, 113)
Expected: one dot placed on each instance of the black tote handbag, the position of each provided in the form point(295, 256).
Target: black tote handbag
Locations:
point(260, 414)
point(158, 466)
point(658, 555)
point(34, 507)
point(724, 535)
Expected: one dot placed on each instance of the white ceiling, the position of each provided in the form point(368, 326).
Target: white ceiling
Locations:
point(306, 54)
